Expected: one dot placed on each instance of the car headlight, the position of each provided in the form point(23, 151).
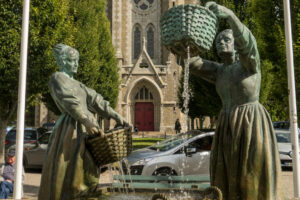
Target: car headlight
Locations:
point(142, 161)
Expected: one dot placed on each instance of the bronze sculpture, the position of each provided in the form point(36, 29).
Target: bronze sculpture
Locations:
point(69, 171)
point(244, 159)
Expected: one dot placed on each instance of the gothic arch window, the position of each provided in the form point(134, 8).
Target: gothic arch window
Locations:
point(137, 41)
point(150, 41)
point(143, 94)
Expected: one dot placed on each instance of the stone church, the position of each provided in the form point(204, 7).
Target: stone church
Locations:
point(148, 71)
point(149, 74)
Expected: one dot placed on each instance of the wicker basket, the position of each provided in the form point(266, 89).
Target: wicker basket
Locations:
point(191, 25)
point(115, 145)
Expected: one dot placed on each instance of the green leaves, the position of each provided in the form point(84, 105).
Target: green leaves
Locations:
point(265, 19)
point(80, 24)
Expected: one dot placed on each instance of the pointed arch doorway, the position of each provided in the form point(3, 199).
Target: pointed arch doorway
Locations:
point(144, 110)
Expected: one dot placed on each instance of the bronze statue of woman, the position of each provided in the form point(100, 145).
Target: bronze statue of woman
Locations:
point(244, 158)
point(69, 171)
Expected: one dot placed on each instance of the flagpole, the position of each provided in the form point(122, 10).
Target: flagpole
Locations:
point(21, 101)
point(292, 96)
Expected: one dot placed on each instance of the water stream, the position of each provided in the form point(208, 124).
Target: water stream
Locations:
point(185, 93)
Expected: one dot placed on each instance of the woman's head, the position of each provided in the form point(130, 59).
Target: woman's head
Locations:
point(66, 58)
point(225, 43)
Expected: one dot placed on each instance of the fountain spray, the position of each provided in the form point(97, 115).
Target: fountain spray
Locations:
point(185, 93)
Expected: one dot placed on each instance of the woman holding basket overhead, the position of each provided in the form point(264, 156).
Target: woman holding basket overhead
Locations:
point(244, 158)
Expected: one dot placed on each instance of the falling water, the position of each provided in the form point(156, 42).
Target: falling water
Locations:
point(123, 176)
point(125, 161)
point(186, 97)
point(185, 93)
point(112, 180)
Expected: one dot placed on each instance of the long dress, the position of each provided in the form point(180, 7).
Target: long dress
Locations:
point(244, 159)
point(69, 171)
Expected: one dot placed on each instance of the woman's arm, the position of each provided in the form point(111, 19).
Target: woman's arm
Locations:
point(205, 69)
point(63, 94)
point(244, 41)
point(97, 104)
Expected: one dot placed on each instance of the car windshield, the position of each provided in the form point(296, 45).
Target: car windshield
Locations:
point(171, 143)
point(283, 137)
point(28, 135)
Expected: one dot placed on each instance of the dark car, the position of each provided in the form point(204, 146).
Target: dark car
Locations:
point(283, 125)
point(49, 125)
point(30, 137)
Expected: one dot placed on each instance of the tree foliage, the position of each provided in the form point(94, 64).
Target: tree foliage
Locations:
point(91, 37)
point(265, 20)
point(80, 24)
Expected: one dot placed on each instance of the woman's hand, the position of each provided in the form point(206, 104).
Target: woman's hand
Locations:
point(92, 128)
point(94, 131)
point(120, 121)
point(218, 10)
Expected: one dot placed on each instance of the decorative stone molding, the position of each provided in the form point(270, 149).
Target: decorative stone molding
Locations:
point(117, 26)
point(150, 70)
point(144, 7)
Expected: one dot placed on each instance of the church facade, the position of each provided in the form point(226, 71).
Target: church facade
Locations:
point(148, 96)
point(149, 75)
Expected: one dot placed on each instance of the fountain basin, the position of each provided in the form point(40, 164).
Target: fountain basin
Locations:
point(123, 194)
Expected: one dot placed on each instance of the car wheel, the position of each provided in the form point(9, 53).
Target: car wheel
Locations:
point(165, 171)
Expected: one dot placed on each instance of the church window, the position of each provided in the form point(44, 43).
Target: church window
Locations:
point(146, 93)
point(143, 4)
point(143, 94)
point(137, 43)
point(150, 42)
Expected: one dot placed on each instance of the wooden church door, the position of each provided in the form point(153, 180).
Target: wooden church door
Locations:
point(144, 116)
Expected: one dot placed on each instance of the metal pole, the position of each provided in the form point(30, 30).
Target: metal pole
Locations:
point(21, 101)
point(292, 96)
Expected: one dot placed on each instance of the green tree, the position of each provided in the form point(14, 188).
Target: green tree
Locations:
point(91, 37)
point(265, 19)
point(80, 24)
point(46, 25)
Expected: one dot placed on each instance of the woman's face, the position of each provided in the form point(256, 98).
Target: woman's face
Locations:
point(225, 43)
point(71, 62)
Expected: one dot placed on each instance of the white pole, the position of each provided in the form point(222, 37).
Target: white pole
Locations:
point(292, 97)
point(21, 101)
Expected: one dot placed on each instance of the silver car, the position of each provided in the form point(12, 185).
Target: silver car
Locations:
point(186, 154)
point(284, 147)
point(34, 153)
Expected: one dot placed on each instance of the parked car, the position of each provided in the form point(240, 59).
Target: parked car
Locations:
point(283, 125)
point(34, 156)
point(30, 136)
point(8, 128)
point(185, 153)
point(34, 153)
point(49, 125)
point(284, 147)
